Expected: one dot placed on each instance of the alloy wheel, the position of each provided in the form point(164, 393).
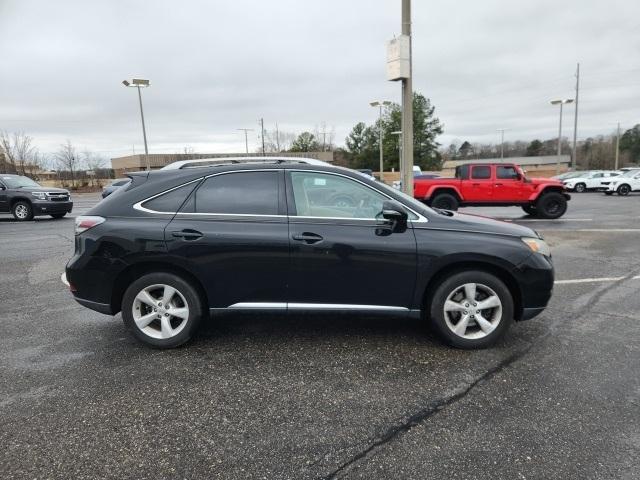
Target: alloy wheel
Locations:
point(160, 311)
point(472, 311)
point(22, 211)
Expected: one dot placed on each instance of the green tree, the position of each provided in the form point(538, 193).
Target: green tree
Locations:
point(630, 142)
point(306, 142)
point(534, 149)
point(465, 149)
point(362, 145)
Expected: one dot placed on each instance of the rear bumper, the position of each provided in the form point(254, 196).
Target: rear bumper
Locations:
point(98, 307)
point(47, 208)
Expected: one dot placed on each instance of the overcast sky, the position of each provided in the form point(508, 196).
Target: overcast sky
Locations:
point(216, 66)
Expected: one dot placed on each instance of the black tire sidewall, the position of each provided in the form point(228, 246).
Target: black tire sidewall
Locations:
point(580, 187)
point(453, 201)
point(546, 197)
point(29, 207)
point(190, 294)
point(624, 191)
point(530, 210)
point(436, 308)
point(58, 215)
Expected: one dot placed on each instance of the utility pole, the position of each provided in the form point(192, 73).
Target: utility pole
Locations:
point(407, 109)
point(575, 121)
point(501, 130)
point(277, 138)
point(262, 133)
point(246, 139)
point(617, 147)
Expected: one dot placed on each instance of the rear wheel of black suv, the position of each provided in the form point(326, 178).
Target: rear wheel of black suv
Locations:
point(471, 309)
point(551, 205)
point(22, 211)
point(162, 310)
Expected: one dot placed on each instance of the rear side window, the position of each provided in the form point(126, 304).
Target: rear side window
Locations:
point(507, 173)
point(482, 172)
point(170, 201)
point(239, 193)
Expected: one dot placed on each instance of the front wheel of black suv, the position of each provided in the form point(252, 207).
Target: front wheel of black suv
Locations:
point(162, 310)
point(471, 309)
point(22, 211)
point(551, 205)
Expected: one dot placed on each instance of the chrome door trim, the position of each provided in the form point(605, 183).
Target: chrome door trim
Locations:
point(313, 306)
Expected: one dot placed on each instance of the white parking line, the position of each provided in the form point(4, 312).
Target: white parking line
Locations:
point(547, 220)
point(594, 280)
point(595, 230)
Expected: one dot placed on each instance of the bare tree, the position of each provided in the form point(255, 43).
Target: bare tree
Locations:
point(18, 149)
point(94, 163)
point(277, 141)
point(68, 159)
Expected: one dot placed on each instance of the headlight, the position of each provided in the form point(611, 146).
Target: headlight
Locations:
point(39, 195)
point(537, 245)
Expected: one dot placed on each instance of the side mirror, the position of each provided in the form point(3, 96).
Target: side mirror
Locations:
point(395, 213)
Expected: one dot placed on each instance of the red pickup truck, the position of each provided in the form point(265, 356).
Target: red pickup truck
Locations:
point(494, 184)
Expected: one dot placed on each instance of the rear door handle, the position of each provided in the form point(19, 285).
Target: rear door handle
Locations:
point(188, 234)
point(307, 237)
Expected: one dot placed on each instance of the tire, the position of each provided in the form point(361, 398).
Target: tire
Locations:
point(451, 300)
point(580, 188)
point(530, 210)
point(551, 205)
point(624, 190)
point(608, 194)
point(58, 215)
point(22, 211)
point(162, 330)
point(445, 201)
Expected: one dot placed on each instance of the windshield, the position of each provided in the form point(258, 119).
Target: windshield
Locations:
point(629, 173)
point(17, 181)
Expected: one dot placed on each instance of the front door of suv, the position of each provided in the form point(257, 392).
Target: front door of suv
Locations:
point(232, 233)
point(341, 257)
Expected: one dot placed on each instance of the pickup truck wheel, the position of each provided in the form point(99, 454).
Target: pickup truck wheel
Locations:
point(22, 211)
point(580, 187)
point(530, 210)
point(445, 201)
point(471, 309)
point(624, 190)
point(551, 205)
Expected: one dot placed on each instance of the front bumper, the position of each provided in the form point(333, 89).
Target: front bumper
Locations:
point(535, 276)
point(43, 207)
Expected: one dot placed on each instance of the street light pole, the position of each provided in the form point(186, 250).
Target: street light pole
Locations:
point(406, 162)
point(617, 147)
point(502, 130)
point(380, 104)
point(246, 139)
point(561, 103)
point(574, 159)
point(139, 83)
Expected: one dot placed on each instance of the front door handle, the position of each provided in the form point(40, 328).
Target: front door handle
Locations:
point(187, 234)
point(307, 237)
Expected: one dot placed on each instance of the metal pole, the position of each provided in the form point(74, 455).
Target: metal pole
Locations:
point(246, 141)
point(559, 141)
point(262, 131)
point(575, 121)
point(380, 140)
point(501, 130)
point(277, 138)
point(144, 130)
point(406, 163)
point(617, 147)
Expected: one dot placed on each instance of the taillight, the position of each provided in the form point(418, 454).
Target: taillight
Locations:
point(85, 222)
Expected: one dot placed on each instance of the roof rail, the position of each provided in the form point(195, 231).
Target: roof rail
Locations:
point(207, 162)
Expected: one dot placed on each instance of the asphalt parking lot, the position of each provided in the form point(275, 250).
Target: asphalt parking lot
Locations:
point(315, 397)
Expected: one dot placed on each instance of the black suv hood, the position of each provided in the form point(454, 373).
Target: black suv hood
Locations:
point(40, 189)
point(477, 223)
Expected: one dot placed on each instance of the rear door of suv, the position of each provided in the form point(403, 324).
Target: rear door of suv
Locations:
point(232, 232)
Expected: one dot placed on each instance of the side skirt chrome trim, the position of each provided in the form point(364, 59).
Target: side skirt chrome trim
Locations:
point(311, 306)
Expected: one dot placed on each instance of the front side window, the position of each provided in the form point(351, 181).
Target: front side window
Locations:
point(482, 172)
point(506, 173)
point(331, 196)
point(239, 193)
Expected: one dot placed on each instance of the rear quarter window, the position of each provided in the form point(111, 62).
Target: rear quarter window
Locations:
point(171, 201)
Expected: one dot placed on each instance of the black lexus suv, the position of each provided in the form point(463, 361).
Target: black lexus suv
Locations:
point(25, 199)
point(174, 246)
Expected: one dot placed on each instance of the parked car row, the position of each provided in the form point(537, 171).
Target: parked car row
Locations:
point(599, 180)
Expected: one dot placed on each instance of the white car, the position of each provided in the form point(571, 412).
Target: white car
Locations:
point(624, 184)
point(589, 181)
point(397, 184)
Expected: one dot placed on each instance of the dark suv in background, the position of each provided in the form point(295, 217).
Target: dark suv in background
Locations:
point(25, 198)
point(173, 246)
